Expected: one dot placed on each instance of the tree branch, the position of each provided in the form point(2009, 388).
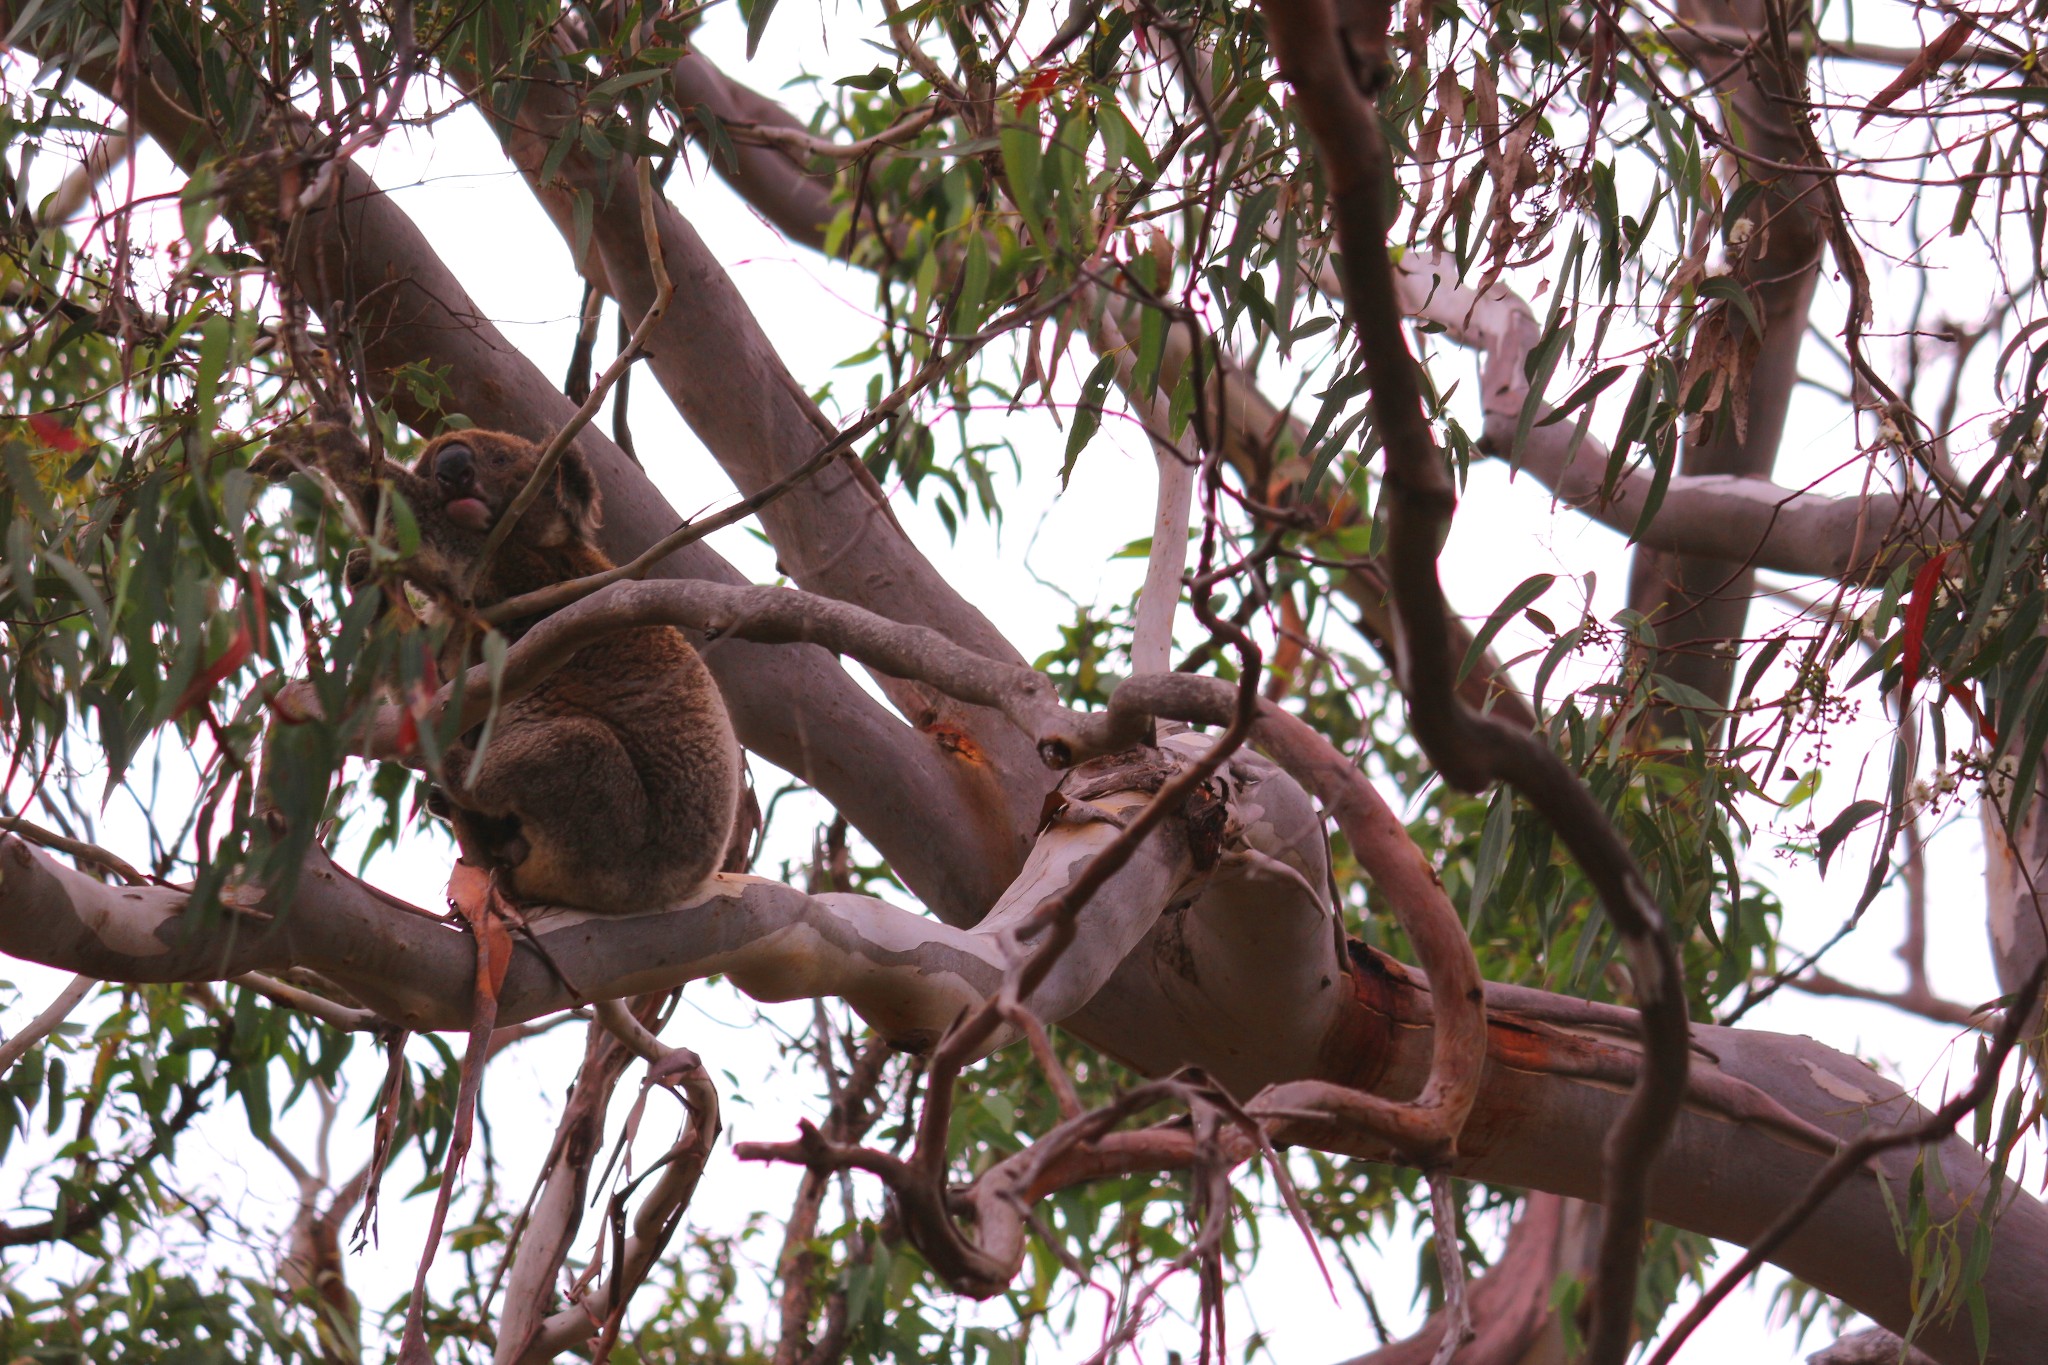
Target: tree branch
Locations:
point(1472, 751)
point(2019, 1022)
point(44, 1024)
point(1731, 517)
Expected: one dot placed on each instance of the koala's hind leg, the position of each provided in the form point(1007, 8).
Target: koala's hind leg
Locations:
point(581, 809)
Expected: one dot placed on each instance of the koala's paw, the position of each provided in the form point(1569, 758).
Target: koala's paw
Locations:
point(358, 570)
point(319, 444)
point(289, 450)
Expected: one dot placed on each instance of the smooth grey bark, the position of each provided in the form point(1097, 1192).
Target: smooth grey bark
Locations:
point(1697, 603)
point(2016, 881)
point(1753, 1136)
point(1761, 1117)
point(1723, 517)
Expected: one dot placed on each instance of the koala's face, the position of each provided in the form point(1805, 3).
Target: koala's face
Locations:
point(478, 473)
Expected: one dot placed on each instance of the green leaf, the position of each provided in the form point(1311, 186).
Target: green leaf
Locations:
point(1730, 291)
point(1024, 168)
point(874, 78)
point(405, 525)
point(619, 84)
point(1584, 393)
point(1842, 826)
point(1552, 657)
point(1757, 668)
point(757, 24)
point(1493, 854)
point(1087, 414)
point(1526, 592)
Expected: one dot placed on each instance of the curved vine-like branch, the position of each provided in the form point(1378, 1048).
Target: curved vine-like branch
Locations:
point(1470, 750)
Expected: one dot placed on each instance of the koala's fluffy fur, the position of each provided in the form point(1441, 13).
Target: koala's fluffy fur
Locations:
point(612, 786)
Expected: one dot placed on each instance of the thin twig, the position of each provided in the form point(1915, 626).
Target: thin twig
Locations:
point(77, 848)
point(331, 1012)
point(1450, 1265)
point(45, 1023)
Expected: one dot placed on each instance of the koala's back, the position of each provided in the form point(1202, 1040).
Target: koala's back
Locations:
point(623, 773)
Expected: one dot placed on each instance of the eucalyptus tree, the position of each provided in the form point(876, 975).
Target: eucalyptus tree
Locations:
point(1111, 948)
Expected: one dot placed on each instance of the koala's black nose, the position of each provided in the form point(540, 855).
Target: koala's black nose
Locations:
point(455, 467)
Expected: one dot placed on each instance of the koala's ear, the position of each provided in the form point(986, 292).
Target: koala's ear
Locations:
point(581, 500)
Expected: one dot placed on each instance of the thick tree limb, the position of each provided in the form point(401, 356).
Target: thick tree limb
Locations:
point(1252, 428)
point(1727, 517)
point(834, 532)
point(1850, 1159)
point(1375, 833)
point(2016, 881)
point(1761, 1109)
point(1699, 603)
point(1763, 1113)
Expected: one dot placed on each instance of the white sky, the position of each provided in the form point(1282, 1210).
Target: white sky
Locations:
point(478, 214)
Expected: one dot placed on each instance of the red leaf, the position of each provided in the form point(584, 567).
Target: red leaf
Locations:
point(1925, 583)
point(233, 657)
point(1962, 694)
point(1920, 68)
point(54, 433)
point(252, 619)
point(1037, 88)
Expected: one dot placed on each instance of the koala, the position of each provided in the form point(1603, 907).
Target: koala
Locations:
point(613, 785)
